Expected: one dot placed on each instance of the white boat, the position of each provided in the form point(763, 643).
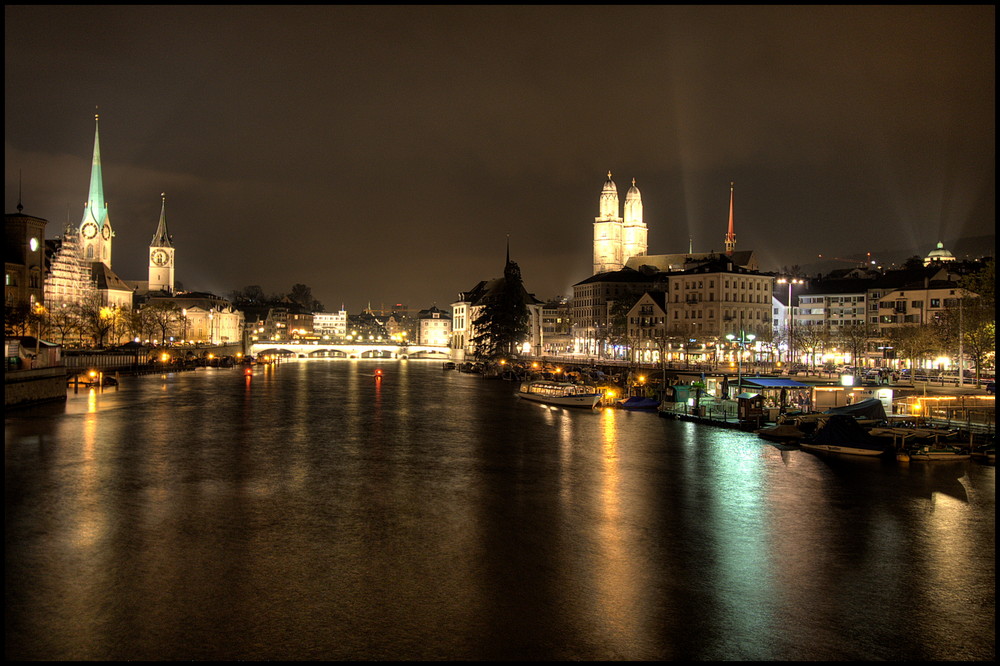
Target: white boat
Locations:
point(840, 448)
point(563, 394)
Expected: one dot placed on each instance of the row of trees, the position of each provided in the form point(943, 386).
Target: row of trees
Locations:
point(254, 296)
point(92, 323)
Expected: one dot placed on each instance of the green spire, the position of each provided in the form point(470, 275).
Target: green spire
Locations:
point(96, 209)
point(161, 238)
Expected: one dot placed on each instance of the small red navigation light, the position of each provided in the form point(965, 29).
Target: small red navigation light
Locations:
point(378, 373)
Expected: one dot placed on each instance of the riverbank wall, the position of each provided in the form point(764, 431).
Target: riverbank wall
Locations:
point(37, 385)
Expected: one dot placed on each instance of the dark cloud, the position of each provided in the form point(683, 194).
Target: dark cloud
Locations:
point(383, 154)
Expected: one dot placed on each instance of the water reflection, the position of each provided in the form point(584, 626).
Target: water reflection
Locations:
point(314, 513)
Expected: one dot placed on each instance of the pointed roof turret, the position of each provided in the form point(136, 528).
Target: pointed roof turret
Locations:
point(96, 208)
point(161, 238)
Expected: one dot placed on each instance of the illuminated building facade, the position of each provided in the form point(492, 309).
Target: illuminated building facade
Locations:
point(161, 255)
point(433, 327)
point(617, 238)
point(81, 262)
point(469, 306)
point(24, 259)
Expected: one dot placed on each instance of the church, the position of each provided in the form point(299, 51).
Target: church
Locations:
point(80, 267)
point(80, 272)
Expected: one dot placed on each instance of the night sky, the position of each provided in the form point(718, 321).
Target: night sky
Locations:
point(383, 154)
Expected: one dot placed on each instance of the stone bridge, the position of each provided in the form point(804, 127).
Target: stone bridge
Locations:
point(344, 350)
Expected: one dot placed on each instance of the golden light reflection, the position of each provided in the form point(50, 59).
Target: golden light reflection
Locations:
point(617, 582)
point(88, 526)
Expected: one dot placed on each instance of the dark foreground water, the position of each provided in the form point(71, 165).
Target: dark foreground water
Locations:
point(314, 513)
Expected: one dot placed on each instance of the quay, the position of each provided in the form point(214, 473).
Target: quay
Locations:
point(707, 395)
point(37, 372)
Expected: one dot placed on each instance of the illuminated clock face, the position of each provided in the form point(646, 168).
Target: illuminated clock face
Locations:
point(159, 257)
point(89, 230)
point(33, 244)
point(106, 232)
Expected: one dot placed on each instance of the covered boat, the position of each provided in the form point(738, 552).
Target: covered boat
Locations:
point(639, 402)
point(869, 410)
point(783, 432)
point(564, 394)
point(843, 434)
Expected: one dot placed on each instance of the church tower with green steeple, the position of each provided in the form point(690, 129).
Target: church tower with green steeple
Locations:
point(95, 227)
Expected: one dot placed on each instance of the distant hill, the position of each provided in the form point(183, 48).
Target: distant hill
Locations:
point(973, 247)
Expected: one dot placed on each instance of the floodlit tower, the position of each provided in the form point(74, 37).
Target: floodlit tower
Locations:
point(608, 231)
point(634, 231)
point(95, 227)
point(731, 235)
point(161, 254)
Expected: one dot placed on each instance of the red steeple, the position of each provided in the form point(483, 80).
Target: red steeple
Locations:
point(731, 235)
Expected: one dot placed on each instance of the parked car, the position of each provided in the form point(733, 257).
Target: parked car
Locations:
point(991, 387)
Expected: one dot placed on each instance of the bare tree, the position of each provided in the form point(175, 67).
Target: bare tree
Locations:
point(854, 339)
point(65, 321)
point(164, 316)
point(96, 319)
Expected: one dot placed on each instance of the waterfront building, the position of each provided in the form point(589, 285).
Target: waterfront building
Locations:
point(617, 237)
point(469, 306)
point(648, 327)
point(366, 326)
point(24, 260)
point(557, 327)
point(203, 317)
point(433, 327)
point(710, 297)
point(286, 321)
point(832, 305)
point(330, 325)
point(719, 297)
point(918, 303)
point(595, 298)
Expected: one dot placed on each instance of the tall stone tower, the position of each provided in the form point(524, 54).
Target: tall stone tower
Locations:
point(95, 227)
point(633, 230)
point(161, 255)
point(608, 229)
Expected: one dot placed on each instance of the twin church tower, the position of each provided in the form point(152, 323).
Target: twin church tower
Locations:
point(618, 238)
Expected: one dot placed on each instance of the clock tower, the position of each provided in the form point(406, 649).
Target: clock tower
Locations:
point(161, 255)
point(95, 227)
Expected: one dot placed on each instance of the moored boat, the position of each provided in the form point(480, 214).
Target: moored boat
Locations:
point(780, 433)
point(563, 394)
point(938, 452)
point(843, 434)
point(986, 454)
point(637, 402)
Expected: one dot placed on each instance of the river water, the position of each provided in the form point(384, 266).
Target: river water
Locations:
point(314, 512)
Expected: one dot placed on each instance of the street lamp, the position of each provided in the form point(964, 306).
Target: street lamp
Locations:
point(791, 320)
point(741, 342)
